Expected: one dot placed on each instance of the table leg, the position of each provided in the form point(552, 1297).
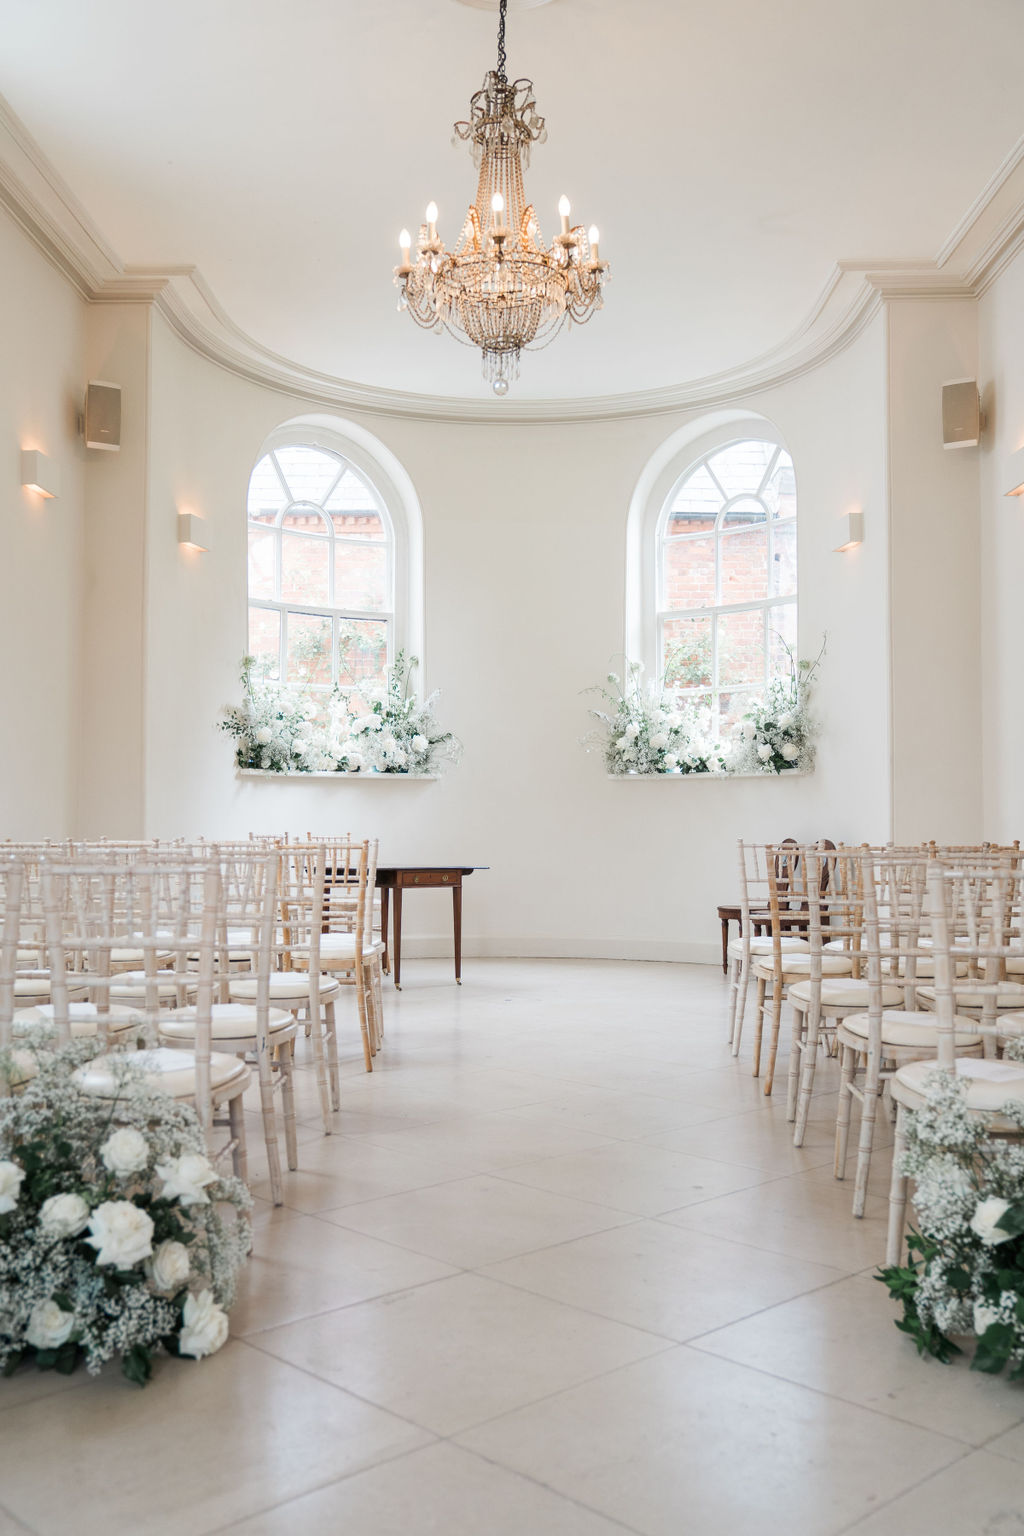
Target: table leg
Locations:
point(385, 909)
point(725, 945)
point(397, 957)
point(457, 916)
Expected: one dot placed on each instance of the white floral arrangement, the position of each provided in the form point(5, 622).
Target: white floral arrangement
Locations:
point(380, 729)
point(780, 732)
point(117, 1235)
point(643, 732)
point(965, 1273)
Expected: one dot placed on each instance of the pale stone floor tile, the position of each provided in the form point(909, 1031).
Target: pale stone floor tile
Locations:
point(805, 1217)
point(981, 1495)
point(205, 1443)
point(745, 1139)
point(459, 1351)
point(607, 1112)
point(467, 1497)
point(636, 1177)
point(652, 1275)
point(842, 1341)
point(475, 1221)
point(1011, 1444)
point(344, 1170)
point(487, 1142)
point(682, 1442)
point(302, 1266)
point(11, 1527)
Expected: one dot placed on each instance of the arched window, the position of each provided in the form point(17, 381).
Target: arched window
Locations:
point(321, 569)
point(726, 577)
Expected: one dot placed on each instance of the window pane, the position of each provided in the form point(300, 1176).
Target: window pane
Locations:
point(308, 656)
point(780, 492)
point(266, 493)
point(261, 562)
point(360, 576)
point(781, 628)
point(741, 466)
point(741, 648)
point(744, 558)
point(695, 505)
point(689, 574)
point(264, 641)
point(309, 472)
point(362, 651)
point(744, 510)
point(304, 566)
point(686, 653)
point(352, 494)
point(784, 562)
point(359, 525)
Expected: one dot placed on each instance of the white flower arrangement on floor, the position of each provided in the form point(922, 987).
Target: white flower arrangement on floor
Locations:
point(965, 1274)
point(644, 732)
point(780, 732)
point(117, 1236)
point(379, 729)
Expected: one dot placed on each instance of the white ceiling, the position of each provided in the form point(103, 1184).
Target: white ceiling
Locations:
point(730, 151)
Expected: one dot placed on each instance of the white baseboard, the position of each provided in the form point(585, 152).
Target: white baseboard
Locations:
point(544, 947)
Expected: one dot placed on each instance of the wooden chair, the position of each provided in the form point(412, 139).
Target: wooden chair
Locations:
point(755, 919)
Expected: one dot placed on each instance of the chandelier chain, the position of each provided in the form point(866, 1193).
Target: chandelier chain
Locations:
point(502, 9)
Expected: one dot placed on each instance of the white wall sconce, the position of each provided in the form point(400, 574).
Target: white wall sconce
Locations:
point(192, 531)
point(853, 527)
point(39, 474)
point(1015, 474)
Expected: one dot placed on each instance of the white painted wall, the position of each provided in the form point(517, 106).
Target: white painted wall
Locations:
point(41, 381)
point(525, 555)
point(935, 573)
point(1001, 363)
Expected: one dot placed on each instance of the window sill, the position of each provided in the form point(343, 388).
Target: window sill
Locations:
point(646, 778)
point(347, 778)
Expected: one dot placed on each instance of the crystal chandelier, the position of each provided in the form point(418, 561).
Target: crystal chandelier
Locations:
point(501, 289)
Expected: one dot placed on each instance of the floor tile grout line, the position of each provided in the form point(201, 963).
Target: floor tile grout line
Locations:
point(29, 1530)
point(590, 1509)
point(861, 1520)
point(363, 1301)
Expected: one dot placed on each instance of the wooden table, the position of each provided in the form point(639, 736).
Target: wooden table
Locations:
point(405, 877)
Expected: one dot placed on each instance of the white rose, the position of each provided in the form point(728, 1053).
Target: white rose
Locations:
point(984, 1317)
point(204, 1326)
point(764, 751)
point(10, 1184)
point(748, 729)
point(659, 741)
point(986, 1219)
point(359, 726)
point(790, 752)
point(629, 755)
point(169, 1267)
point(420, 743)
point(355, 762)
point(375, 723)
point(622, 743)
point(186, 1177)
point(671, 761)
point(49, 1326)
point(632, 732)
point(785, 721)
point(64, 1216)
point(125, 1152)
point(673, 721)
point(121, 1234)
point(265, 760)
point(264, 735)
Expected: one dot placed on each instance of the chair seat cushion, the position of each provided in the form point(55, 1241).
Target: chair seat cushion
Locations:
point(337, 948)
point(131, 986)
point(83, 1018)
point(28, 988)
point(1008, 994)
point(990, 1084)
point(764, 947)
point(797, 966)
point(136, 956)
point(835, 993)
point(162, 1068)
point(229, 1021)
point(900, 1027)
point(285, 986)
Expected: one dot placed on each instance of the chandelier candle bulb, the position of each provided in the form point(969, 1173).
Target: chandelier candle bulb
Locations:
point(405, 242)
point(593, 235)
point(432, 220)
point(564, 208)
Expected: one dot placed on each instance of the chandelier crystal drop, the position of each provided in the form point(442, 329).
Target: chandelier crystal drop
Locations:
point(501, 289)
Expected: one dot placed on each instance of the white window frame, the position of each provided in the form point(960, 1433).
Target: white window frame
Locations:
point(394, 499)
point(678, 458)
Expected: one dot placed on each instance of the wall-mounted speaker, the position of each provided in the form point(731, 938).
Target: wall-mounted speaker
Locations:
point(961, 414)
point(102, 418)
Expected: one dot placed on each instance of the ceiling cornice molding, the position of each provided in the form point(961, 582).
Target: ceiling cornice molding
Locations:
point(984, 241)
